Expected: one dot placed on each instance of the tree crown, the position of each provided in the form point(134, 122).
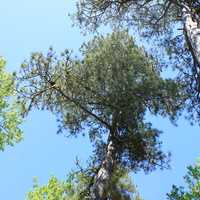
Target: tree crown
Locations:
point(107, 93)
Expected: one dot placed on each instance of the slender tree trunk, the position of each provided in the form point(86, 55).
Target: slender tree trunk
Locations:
point(192, 31)
point(104, 175)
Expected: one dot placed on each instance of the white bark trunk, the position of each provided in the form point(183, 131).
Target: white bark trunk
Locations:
point(104, 175)
point(193, 33)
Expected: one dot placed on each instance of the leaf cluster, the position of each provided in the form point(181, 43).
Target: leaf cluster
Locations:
point(10, 113)
point(192, 180)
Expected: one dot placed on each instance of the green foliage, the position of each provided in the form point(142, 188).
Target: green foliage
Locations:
point(192, 192)
point(54, 190)
point(143, 13)
point(108, 91)
point(76, 187)
point(158, 21)
point(10, 118)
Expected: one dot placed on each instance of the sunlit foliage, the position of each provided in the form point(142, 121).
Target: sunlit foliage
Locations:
point(76, 188)
point(10, 118)
point(192, 189)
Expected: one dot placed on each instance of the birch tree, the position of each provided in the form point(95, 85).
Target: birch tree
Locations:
point(105, 94)
point(174, 26)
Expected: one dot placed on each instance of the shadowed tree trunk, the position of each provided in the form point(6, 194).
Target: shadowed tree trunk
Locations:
point(104, 174)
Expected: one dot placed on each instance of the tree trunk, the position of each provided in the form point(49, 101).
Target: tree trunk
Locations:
point(104, 175)
point(192, 31)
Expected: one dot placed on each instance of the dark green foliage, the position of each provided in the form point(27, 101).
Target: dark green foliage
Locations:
point(157, 21)
point(145, 13)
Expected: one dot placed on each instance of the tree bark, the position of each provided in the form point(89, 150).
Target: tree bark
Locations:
point(192, 31)
point(104, 175)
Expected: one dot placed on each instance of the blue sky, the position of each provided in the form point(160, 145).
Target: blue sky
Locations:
point(28, 26)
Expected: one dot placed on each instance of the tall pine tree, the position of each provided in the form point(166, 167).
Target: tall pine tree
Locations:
point(105, 94)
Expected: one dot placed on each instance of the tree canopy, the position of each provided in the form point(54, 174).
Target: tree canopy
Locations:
point(173, 26)
point(10, 116)
point(107, 91)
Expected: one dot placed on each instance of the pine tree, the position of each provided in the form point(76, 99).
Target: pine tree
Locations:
point(105, 94)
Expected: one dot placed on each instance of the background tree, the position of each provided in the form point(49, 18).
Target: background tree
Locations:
point(173, 24)
point(10, 118)
point(106, 94)
point(192, 192)
point(76, 188)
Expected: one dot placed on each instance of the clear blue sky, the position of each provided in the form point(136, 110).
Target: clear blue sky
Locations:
point(28, 26)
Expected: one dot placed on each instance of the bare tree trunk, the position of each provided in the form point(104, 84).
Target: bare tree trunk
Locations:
point(193, 32)
point(104, 175)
